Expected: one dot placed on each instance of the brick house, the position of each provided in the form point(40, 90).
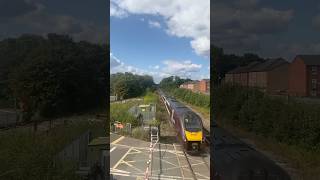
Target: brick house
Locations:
point(270, 75)
point(304, 76)
point(204, 85)
point(184, 85)
point(191, 85)
point(239, 75)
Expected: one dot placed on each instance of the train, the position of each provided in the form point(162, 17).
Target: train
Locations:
point(187, 123)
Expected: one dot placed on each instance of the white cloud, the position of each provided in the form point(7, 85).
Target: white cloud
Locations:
point(184, 18)
point(201, 45)
point(117, 12)
point(154, 67)
point(114, 61)
point(183, 69)
point(154, 24)
point(116, 65)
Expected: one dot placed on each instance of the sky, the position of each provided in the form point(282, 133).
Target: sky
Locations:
point(270, 28)
point(160, 38)
point(81, 19)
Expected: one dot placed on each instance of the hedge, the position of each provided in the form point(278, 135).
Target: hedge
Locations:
point(289, 121)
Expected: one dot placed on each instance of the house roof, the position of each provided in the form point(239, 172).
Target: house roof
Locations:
point(246, 68)
point(268, 65)
point(310, 59)
point(259, 66)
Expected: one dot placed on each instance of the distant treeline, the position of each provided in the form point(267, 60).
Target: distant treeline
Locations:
point(128, 85)
point(287, 121)
point(53, 75)
point(172, 82)
point(171, 86)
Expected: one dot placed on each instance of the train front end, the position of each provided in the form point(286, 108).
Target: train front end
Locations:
point(193, 131)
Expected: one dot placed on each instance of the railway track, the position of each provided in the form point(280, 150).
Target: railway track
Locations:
point(193, 165)
point(190, 166)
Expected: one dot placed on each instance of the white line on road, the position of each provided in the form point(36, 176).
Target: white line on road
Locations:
point(117, 140)
point(181, 171)
point(113, 149)
point(122, 158)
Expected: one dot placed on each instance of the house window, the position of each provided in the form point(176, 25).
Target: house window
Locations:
point(313, 93)
point(314, 84)
point(314, 70)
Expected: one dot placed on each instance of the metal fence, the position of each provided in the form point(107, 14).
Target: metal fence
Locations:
point(118, 127)
point(9, 118)
point(77, 150)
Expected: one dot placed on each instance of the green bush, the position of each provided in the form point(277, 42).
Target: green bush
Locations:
point(120, 112)
point(288, 121)
point(140, 133)
point(190, 97)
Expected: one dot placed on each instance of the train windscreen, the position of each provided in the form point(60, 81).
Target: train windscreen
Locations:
point(192, 122)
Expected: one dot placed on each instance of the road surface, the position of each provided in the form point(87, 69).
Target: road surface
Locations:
point(128, 159)
point(233, 159)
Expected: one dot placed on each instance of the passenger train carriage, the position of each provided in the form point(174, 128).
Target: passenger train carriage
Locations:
point(187, 123)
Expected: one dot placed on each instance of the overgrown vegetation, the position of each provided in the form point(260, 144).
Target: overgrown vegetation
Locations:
point(128, 85)
point(52, 76)
point(196, 99)
point(29, 155)
point(140, 133)
point(120, 112)
point(284, 120)
point(150, 97)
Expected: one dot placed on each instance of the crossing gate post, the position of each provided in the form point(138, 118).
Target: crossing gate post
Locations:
point(154, 134)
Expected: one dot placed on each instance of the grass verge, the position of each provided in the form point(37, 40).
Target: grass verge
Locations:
point(29, 155)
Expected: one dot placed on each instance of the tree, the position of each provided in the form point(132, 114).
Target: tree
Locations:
point(58, 77)
point(129, 85)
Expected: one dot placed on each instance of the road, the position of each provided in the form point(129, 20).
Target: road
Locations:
point(128, 159)
point(232, 159)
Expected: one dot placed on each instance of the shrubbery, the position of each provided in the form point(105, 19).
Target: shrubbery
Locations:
point(120, 112)
point(140, 133)
point(190, 97)
point(288, 121)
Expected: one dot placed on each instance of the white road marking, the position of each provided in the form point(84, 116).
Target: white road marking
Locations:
point(139, 175)
point(122, 158)
point(118, 140)
point(113, 148)
point(178, 161)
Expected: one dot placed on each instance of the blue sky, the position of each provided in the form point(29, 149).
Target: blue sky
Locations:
point(155, 41)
